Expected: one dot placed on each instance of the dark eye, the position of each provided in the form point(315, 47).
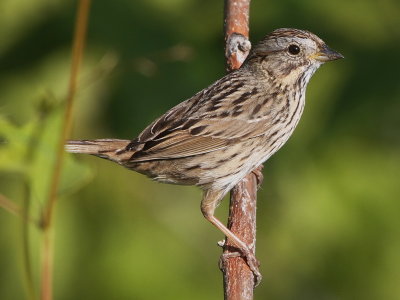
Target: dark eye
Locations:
point(294, 49)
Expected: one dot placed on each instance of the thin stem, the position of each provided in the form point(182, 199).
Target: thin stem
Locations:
point(30, 286)
point(77, 54)
point(9, 205)
point(15, 209)
point(47, 265)
point(238, 278)
point(23, 212)
point(48, 231)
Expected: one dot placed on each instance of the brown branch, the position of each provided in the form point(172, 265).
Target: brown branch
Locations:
point(77, 54)
point(236, 27)
point(238, 278)
point(46, 222)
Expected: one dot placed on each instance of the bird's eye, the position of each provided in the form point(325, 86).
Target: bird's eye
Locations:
point(294, 49)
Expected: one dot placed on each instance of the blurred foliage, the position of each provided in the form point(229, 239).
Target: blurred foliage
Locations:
point(328, 217)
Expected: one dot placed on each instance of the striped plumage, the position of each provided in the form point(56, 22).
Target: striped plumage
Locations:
point(222, 133)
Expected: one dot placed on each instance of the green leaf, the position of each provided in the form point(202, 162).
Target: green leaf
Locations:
point(31, 150)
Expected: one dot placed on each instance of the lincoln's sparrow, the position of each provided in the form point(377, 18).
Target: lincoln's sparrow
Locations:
point(222, 133)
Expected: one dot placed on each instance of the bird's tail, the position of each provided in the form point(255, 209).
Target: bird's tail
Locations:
point(110, 149)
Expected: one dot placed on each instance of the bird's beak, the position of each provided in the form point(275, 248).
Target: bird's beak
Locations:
point(327, 54)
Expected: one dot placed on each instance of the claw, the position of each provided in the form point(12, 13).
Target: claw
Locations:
point(253, 264)
point(250, 259)
point(259, 175)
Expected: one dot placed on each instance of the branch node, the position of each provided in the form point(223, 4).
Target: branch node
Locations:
point(225, 256)
point(237, 48)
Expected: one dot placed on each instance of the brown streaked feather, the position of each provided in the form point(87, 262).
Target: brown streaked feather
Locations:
point(205, 136)
point(207, 104)
point(232, 128)
point(104, 148)
point(179, 146)
point(204, 123)
point(170, 120)
point(95, 146)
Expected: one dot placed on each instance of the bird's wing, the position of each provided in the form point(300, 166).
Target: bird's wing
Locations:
point(196, 137)
point(213, 119)
point(178, 146)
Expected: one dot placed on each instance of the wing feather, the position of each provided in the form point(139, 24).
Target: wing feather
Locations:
point(213, 119)
point(179, 146)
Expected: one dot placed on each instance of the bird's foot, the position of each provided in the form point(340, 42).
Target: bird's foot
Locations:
point(248, 256)
point(259, 175)
point(253, 264)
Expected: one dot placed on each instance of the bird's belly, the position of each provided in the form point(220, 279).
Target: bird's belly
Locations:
point(244, 158)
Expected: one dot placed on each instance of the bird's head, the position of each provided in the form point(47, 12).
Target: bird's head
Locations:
point(289, 53)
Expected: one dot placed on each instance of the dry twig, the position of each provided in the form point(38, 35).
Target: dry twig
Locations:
point(46, 222)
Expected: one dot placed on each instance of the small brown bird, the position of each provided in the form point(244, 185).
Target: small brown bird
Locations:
point(225, 131)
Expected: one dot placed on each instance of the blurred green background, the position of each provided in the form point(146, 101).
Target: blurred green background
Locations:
point(328, 211)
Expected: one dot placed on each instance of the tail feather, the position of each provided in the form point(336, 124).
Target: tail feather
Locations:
point(111, 149)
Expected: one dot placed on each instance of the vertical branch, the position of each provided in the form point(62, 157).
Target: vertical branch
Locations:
point(77, 53)
point(46, 222)
point(236, 27)
point(238, 278)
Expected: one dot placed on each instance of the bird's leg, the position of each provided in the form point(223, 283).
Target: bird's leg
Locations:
point(211, 199)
